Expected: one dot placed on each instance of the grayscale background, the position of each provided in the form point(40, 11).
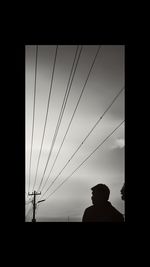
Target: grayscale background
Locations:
point(106, 165)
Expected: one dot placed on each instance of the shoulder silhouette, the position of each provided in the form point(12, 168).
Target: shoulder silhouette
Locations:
point(101, 210)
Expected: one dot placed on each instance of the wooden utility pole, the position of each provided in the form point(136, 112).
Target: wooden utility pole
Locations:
point(34, 203)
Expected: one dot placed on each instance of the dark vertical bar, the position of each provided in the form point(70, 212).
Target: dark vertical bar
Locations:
point(34, 203)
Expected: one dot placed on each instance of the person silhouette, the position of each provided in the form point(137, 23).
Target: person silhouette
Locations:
point(123, 192)
point(101, 210)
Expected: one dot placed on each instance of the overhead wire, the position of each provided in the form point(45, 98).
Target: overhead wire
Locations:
point(48, 104)
point(94, 126)
point(86, 159)
point(62, 109)
point(75, 109)
point(33, 120)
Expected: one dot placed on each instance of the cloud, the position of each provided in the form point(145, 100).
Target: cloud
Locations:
point(119, 143)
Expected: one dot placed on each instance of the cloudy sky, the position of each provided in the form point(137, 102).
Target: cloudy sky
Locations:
point(106, 165)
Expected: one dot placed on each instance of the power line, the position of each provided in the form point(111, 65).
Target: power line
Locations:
point(74, 110)
point(62, 110)
point(86, 138)
point(33, 115)
point(61, 113)
point(86, 158)
point(48, 103)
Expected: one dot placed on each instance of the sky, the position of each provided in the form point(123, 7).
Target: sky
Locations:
point(106, 165)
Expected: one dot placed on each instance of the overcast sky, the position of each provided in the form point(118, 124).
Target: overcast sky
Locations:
point(106, 165)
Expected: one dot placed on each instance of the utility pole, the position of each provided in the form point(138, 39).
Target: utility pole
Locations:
point(34, 203)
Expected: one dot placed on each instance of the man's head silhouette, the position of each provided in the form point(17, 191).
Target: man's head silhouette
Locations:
point(100, 194)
